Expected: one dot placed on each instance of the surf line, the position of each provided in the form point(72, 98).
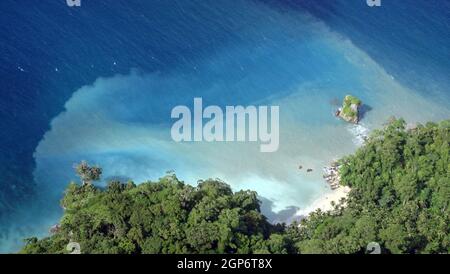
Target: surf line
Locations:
point(241, 124)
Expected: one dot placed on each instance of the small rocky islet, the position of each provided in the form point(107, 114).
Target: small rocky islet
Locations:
point(350, 109)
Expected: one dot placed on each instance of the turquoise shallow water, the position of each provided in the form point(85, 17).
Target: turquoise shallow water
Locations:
point(129, 75)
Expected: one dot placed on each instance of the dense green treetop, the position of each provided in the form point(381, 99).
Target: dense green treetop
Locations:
point(162, 217)
point(400, 196)
point(351, 100)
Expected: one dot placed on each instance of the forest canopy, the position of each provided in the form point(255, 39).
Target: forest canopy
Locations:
point(399, 198)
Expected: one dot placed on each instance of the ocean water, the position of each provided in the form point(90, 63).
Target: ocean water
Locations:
point(98, 83)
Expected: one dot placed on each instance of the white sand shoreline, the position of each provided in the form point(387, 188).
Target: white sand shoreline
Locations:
point(325, 202)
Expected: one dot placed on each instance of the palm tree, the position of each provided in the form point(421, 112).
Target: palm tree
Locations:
point(88, 173)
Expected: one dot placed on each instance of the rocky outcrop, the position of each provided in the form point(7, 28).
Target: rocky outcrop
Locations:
point(55, 229)
point(332, 175)
point(350, 109)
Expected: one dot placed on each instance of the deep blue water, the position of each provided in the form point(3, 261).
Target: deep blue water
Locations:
point(153, 55)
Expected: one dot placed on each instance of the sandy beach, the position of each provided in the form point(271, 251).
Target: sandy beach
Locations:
point(324, 202)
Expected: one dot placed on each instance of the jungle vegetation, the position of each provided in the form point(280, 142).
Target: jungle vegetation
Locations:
point(400, 181)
